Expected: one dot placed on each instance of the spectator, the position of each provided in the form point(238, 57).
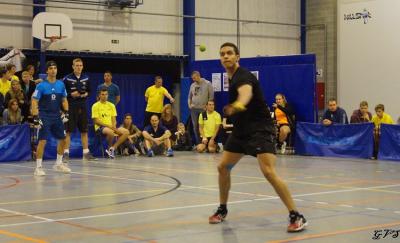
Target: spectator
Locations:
point(169, 120)
point(209, 123)
point(154, 96)
point(16, 93)
point(379, 118)
point(156, 138)
point(285, 119)
point(77, 85)
point(12, 69)
point(227, 127)
point(104, 117)
point(133, 145)
point(12, 115)
point(5, 83)
point(31, 70)
point(200, 92)
point(28, 86)
point(334, 114)
point(361, 115)
point(183, 139)
point(398, 120)
point(113, 89)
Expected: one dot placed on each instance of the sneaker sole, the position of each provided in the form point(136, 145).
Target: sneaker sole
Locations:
point(299, 229)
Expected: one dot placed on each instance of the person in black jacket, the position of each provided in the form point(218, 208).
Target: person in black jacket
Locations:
point(285, 119)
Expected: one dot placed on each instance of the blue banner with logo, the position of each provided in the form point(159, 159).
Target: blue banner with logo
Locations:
point(15, 143)
point(389, 145)
point(353, 141)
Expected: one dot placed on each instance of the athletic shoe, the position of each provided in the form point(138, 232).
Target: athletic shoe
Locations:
point(62, 168)
point(39, 171)
point(110, 153)
point(150, 153)
point(65, 157)
point(297, 222)
point(218, 216)
point(89, 157)
point(170, 153)
point(283, 148)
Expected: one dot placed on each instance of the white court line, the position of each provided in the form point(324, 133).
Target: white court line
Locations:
point(323, 203)
point(398, 212)
point(346, 206)
point(372, 209)
point(27, 215)
point(298, 200)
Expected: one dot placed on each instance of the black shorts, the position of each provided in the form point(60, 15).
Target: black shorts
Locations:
point(257, 143)
point(77, 118)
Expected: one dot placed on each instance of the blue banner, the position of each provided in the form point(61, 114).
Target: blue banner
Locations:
point(15, 143)
point(389, 145)
point(353, 141)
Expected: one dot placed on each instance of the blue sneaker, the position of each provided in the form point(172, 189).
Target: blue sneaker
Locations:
point(150, 153)
point(170, 153)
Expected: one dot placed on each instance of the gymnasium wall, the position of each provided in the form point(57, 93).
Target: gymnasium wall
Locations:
point(94, 30)
point(369, 54)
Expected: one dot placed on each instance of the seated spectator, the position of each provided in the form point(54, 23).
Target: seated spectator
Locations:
point(285, 120)
point(398, 120)
point(156, 138)
point(361, 115)
point(133, 145)
point(104, 117)
point(169, 120)
point(12, 115)
point(16, 93)
point(1, 107)
point(209, 124)
point(379, 118)
point(227, 128)
point(28, 86)
point(31, 70)
point(5, 83)
point(183, 139)
point(334, 114)
point(11, 70)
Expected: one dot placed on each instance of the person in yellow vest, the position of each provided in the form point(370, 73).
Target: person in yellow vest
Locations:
point(5, 83)
point(209, 124)
point(379, 118)
point(154, 96)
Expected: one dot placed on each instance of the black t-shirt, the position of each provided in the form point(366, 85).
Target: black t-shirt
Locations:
point(257, 116)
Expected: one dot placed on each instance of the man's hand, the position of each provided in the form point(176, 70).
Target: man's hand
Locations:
point(157, 141)
point(234, 108)
point(204, 141)
point(211, 142)
point(172, 100)
point(75, 94)
point(65, 117)
point(327, 122)
point(37, 122)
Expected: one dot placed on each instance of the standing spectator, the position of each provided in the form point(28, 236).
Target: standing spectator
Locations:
point(77, 85)
point(16, 93)
point(31, 70)
point(334, 114)
point(133, 145)
point(28, 86)
point(104, 117)
point(154, 96)
point(285, 119)
point(5, 83)
point(200, 92)
point(209, 124)
point(169, 120)
point(183, 139)
point(12, 115)
point(379, 118)
point(48, 98)
point(361, 115)
point(113, 89)
point(156, 138)
point(12, 69)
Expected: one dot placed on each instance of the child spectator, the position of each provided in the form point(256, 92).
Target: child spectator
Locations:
point(183, 141)
point(379, 118)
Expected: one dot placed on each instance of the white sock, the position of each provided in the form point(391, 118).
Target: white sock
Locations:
point(39, 162)
point(59, 159)
point(66, 151)
point(85, 151)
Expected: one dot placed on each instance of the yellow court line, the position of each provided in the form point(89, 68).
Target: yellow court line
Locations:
point(22, 237)
point(79, 197)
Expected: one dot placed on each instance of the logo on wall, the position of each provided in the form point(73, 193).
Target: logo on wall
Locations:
point(364, 15)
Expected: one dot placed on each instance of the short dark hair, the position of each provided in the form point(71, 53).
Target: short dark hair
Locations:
point(108, 71)
point(235, 48)
point(195, 72)
point(331, 100)
point(126, 115)
point(157, 77)
point(9, 66)
point(103, 89)
point(50, 63)
point(380, 107)
point(363, 103)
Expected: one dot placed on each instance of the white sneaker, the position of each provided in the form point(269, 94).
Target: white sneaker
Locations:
point(62, 168)
point(39, 171)
point(283, 148)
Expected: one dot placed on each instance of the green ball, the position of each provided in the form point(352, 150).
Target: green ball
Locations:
point(202, 48)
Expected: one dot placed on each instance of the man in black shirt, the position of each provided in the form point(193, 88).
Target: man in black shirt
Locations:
point(253, 132)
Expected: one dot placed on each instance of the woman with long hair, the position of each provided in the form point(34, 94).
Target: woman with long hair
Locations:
point(285, 119)
point(12, 115)
point(169, 120)
point(133, 145)
point(18, 94)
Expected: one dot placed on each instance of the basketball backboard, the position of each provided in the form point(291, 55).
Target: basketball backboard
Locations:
point(48, 27)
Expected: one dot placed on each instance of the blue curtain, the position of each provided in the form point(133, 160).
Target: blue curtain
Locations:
point(389, 145)
point(15, 143)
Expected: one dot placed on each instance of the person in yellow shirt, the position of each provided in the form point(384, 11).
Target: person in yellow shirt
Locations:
point(104, 117)
point(12, 69)
point(5, 83)
point(209, 124)
point(154, 96)
point(379, 118)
